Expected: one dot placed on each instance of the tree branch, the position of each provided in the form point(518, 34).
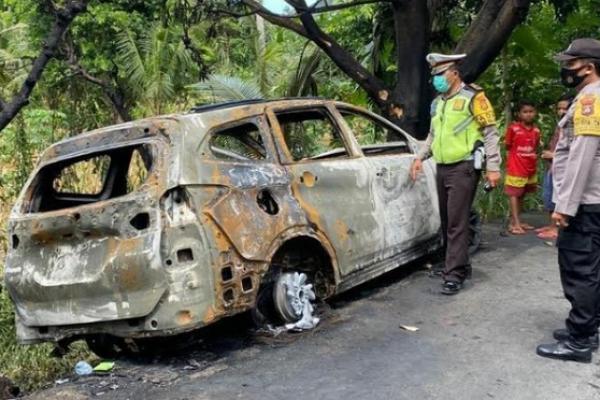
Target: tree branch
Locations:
point(375, 87)
point(77, 69)
point(300, 8)
point(488, 33)
point(314, 9)
point(110, 89)
point(62, 21)
point(276, 20)
point(233, 14)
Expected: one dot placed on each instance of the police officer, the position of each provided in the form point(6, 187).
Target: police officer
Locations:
point(576, 171)
point(462, 119)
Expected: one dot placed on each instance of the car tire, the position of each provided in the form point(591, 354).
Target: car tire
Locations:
point(283, 299)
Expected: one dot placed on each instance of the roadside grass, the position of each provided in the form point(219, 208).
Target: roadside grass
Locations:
point(29, 367)
point(32, 367)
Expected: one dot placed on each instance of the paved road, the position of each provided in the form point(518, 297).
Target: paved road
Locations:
point(477, 345)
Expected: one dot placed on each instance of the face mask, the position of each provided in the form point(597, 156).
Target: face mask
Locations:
point(569, 77)
point(440, 83)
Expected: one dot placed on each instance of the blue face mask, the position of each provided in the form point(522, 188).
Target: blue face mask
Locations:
point(440, 83)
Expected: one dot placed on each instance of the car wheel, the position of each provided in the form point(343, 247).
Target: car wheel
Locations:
point(286, 299)
point(293, 296)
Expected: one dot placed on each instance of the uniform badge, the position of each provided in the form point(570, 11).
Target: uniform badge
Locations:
point(586, 119)
point(483, 103)
point(459, 105)
point(587, 105)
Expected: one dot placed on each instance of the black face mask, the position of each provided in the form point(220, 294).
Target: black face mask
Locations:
point(569, 77)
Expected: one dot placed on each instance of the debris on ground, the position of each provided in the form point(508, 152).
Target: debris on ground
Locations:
point(105, 366)
point(82, 368)
point(409, 328)
point(205, 373)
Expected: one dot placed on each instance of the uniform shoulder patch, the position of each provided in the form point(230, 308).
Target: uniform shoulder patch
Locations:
point(482, 110)
point(586, 119)
point(474, 87)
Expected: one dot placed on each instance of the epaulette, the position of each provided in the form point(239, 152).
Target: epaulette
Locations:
point(474, 88)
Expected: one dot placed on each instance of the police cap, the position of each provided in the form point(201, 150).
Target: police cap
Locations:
point(580, 48)
point(442, 62)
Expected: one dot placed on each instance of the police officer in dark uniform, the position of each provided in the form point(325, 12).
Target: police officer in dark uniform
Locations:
point(576, 172)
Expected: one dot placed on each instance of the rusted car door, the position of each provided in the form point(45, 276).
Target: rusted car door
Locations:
point(331, 182)
point(407, 210)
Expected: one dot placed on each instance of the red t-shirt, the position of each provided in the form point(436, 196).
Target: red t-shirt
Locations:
point(522, 143)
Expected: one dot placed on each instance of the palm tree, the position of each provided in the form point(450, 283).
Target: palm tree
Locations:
point(299, 81)
point(156, 65)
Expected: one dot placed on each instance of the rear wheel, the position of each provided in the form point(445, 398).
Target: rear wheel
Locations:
point(286, 298)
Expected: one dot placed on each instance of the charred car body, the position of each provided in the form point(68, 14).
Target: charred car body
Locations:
point(186, 219)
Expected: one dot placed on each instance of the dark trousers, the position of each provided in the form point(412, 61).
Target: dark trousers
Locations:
point(579, 261)
point(456, 185)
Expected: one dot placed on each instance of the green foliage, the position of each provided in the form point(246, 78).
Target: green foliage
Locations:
point(225, 88)
point(156, 65)
point(31, 366)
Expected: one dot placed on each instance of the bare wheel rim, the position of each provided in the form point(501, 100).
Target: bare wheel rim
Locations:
point(292, 295)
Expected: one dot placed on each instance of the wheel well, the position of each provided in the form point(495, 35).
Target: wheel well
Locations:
point(306, 254)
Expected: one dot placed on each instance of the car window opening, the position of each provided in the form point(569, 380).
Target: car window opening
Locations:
point(91, 178)
point(311, 135)
point(239, 143)
point(374, 137)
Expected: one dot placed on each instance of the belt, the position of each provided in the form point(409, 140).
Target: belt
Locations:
point(590, 208)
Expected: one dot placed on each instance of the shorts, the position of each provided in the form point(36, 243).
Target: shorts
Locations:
point(519, 186)
point(547, 190)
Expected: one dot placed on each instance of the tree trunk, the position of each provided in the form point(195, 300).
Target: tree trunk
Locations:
point(261, 46)
point(117, 99)
point(412, 88)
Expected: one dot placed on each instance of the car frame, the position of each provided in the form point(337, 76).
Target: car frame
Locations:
point(210, 231)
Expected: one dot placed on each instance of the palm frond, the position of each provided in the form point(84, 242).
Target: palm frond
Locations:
point(130, 58)
point(302, 81)
point(226, 88)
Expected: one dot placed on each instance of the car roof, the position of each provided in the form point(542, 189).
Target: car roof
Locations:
point(208, 115)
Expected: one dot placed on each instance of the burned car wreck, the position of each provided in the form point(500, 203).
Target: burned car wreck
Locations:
point(168, 224)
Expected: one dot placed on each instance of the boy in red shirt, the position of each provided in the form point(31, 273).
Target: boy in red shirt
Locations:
point(522, 142)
